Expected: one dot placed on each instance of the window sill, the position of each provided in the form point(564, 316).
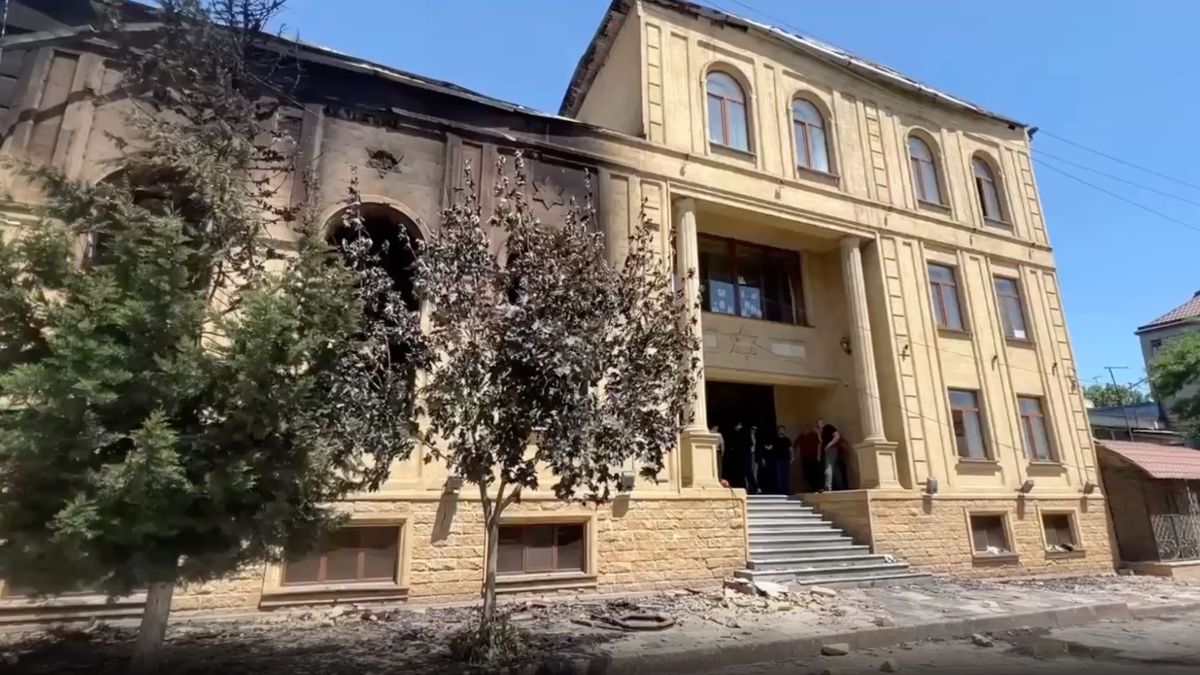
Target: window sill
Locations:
point(349, 587)
point(68, 601)
point(933, 206)
point(1045, 468)
point(960, 333)
point(1021, 343)
point(977, 466)
point(514, 583)
point(732, 152)
point(994, 557)
point(998, 224)
point(826, 177)
point(1060, 555)
point(750, 318)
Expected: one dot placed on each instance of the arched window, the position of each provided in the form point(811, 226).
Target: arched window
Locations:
point(987, 189)
point(812, 150)
point(727, 112)
point(924, 169)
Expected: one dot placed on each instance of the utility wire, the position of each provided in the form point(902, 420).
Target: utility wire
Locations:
point(1123, 198)
point(800, 32)
point(1120, 161)
point(1085, 167)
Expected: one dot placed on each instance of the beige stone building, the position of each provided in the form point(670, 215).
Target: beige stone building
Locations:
point(870, 251)
point(873, 252)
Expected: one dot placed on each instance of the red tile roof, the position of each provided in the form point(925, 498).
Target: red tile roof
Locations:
point(1188, 310)
point(1159, 461)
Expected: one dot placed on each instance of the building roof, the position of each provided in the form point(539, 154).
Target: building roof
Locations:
point(1168, 462)
point(597, 51)
point(1187, 311)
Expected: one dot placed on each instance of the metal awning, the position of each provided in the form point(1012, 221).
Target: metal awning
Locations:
point(1166, 462)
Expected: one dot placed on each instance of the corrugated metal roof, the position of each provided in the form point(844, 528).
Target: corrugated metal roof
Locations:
point(1166, 462)
point(1188, 310)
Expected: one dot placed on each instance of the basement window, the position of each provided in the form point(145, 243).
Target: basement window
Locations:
point(989, 536)
point(539, 549)
point(348, 555)
point(1060, 536)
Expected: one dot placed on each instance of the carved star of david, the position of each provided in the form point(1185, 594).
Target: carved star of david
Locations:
point(549, 194)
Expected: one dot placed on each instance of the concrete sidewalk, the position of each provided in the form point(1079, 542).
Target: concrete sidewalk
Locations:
point(876, 617)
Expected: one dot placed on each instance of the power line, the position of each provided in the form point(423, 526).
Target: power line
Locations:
point(1123, 198)
point(1139, 167)
point(1085, 167)
point(1120, 161)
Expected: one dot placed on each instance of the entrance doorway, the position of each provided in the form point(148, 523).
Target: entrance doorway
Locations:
point(733, 402)
point(751, 405)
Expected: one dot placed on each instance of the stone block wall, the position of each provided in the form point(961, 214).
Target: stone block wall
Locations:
point(640, 544)
point(934, 535)
point(850, 511)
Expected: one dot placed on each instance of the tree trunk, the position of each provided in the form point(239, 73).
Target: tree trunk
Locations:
point(489, 580)
point(147, 651)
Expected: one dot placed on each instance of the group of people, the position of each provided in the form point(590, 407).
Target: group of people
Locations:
point(762, 462)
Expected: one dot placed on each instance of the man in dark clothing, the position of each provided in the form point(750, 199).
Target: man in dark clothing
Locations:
point(750, 460)
point(830, 442)
point(739, 453)
point(781, 462)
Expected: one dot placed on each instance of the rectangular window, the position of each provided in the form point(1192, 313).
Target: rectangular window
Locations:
point(943, 288)
point(989, 536)
point(1012, 315)
point(348, 555)
point(756, 282)
point(968, 424)
point(1033, 429)
point(1060, 536)
point(531, 549)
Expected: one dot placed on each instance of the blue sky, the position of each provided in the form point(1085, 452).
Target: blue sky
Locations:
point(1113, 75)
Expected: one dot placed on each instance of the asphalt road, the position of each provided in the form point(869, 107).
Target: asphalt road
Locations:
point(1169, 645)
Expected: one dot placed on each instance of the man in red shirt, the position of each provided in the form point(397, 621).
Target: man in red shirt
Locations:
point(809, 445)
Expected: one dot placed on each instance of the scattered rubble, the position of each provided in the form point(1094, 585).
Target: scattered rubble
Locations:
point(981, 640)
point(835, 649)
point(822, 591)
point(889, 666)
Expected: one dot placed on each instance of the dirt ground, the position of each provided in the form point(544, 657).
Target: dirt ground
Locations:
point(366, 641)
point(414, 640)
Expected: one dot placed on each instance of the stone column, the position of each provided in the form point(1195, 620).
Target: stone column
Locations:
point(876, 455)
point(698, 446)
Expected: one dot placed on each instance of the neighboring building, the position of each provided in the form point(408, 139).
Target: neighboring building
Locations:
point(1182, 320)
point(1143, 420)
point(1154, 496)
point(870, 250)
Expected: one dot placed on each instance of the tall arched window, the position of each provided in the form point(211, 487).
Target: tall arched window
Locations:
point(812, 150)
point(987, 189)
point(727, 112)
point(924, 169)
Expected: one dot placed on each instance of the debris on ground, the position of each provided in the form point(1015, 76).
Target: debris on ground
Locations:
point(889, 666)
point(981, 640)
point(835, 649)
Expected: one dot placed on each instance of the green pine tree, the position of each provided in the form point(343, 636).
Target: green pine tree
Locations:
point(183, 399)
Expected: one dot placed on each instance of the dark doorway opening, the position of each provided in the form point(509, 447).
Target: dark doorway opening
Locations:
point(753, 407)
point(733, 402)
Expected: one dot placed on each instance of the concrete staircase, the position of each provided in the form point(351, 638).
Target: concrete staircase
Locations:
point(792, 543)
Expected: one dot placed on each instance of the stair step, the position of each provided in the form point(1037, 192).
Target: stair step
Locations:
point(801, 521)
point(819, 575)
point(858, 580)
point(842, 562)
point(774, 527)
point(816, 550)
point(781, 510)
point(781, 505)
